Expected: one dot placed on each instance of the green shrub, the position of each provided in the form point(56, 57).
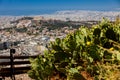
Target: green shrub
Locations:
point(95, 51)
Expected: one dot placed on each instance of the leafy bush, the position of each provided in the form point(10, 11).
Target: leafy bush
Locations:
point(95, 51)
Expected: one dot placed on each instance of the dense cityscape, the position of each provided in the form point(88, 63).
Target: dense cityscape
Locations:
point(32, 33)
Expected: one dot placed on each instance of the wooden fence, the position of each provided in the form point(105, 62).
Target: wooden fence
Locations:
point(14, 65)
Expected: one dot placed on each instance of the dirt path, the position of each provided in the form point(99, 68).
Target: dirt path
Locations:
point(20, 77)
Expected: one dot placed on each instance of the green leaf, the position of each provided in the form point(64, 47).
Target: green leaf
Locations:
point(118, 56)
point(90, 59)
point(58, 41)
point(61, 56)
point(73, 70)
point(97, 32)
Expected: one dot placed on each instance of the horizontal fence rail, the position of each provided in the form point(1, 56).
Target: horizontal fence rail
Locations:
point(18, 57)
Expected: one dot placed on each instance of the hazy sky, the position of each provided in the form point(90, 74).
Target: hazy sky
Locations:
point(59, 4)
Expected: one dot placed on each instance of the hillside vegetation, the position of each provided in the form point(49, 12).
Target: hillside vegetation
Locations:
point(87, 54)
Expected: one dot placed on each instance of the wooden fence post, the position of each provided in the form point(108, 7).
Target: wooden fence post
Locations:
point(12, 51)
